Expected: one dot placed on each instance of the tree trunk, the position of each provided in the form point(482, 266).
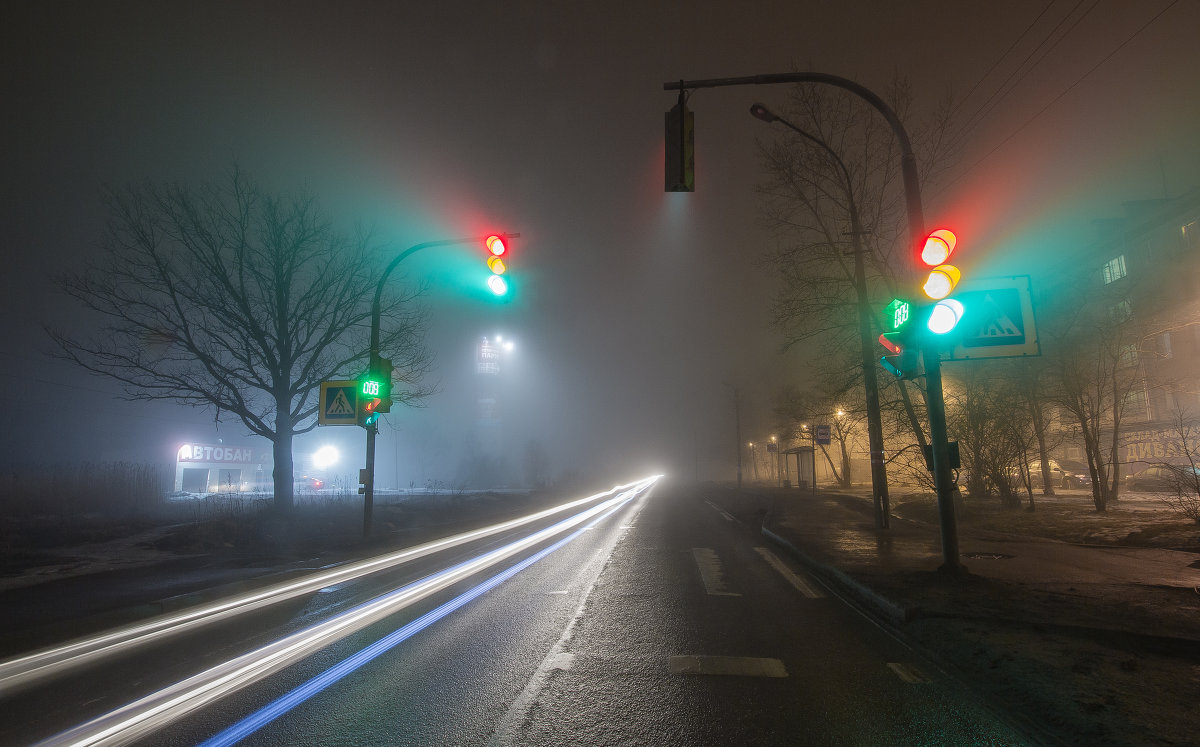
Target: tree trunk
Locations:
point(282, 450)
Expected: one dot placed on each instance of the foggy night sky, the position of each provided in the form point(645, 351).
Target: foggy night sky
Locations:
point(546, 119)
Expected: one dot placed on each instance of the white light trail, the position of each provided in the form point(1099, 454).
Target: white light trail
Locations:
point(26, 670)
point(147, 714)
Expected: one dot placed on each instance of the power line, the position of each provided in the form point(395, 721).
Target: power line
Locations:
point(1068, 89)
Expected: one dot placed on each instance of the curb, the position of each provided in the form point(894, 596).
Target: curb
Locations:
point(889, 610)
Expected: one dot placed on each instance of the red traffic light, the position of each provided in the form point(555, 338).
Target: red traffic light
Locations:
point(496, 245)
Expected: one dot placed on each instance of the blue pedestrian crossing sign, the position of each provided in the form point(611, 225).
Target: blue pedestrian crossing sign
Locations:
point(338, 404)
point(998, 322)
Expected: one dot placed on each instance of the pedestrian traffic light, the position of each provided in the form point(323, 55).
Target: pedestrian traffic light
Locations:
point(941, 281)
point(899, 339)
point(496, 262)
point(374, 388)
point(903, 355)
point(680, 158)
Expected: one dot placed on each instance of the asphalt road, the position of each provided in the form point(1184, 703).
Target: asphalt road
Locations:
point(667, 622)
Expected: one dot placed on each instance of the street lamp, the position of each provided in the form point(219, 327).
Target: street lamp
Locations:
point(879, 487)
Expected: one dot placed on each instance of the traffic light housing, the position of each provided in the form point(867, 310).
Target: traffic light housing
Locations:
point(940, 281)
point(497, 262)
point(898, 339)
point(374, 391)
point(902, 359)
point(680, 157)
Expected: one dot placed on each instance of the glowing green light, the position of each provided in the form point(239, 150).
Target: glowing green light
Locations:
point(945, 316)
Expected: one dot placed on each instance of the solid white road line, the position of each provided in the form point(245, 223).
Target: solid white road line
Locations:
point(711, 572)
point(801, 585)
point(724, 514)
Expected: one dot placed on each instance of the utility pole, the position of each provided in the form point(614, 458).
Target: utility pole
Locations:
point(737, 419)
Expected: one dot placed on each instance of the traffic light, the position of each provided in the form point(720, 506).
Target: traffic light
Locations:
point(680, 158)
point(898, 339)
point(941, 280)
point(374, 389)
point(496, 262)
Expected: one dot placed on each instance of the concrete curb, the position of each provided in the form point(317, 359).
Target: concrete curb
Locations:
point(885, 608)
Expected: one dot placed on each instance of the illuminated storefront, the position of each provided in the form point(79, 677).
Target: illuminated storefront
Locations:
point(220, 468)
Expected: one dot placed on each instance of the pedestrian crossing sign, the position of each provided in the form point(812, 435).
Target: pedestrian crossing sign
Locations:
point(338, 404)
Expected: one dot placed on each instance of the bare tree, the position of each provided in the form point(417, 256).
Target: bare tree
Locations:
point(1095, 367)
point(849, 164)
point(1184, 495)
point(228, 298)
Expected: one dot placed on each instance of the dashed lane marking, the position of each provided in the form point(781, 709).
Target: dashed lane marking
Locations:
point(724, 514)
point(800, 584)
point(734, 666)
point(711, 572)
point(909, 673)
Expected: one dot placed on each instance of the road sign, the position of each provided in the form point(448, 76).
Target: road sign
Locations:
point(338, 404)
point(998, 322)
point(822, 434)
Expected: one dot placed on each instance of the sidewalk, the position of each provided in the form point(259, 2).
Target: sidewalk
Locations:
point(895, 570)
point(1086, 644)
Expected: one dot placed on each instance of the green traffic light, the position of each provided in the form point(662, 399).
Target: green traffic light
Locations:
point(945, 315)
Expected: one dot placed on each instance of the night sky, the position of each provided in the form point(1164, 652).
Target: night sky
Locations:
point(632, 306)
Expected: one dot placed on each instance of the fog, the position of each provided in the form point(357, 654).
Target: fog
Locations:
point(635, 314)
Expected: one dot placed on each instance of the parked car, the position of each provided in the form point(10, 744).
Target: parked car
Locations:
point(1163, 477)
point(1074, 474)
point(1063, 474)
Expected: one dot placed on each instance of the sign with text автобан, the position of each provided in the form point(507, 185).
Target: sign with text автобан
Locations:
point(997, 320)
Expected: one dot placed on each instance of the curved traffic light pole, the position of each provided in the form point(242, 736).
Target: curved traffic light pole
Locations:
point(376, 312)
point(916, 229)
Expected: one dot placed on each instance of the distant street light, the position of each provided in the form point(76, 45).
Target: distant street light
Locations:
point(325, 457)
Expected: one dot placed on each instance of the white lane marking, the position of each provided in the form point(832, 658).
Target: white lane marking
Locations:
point(734, 666)
point(711, 573)
point(909, 673)
point(564, 591)
point(725, 514)
point(507, 729)
point(801, 585)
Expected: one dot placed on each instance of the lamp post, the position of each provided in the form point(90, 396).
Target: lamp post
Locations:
point(376, 312)
point(916, 228)
point(879, 486)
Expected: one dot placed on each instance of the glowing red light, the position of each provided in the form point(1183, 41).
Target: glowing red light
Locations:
point(495, 245)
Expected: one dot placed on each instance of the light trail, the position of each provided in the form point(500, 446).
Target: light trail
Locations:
point(255, 721)
point(151, 712)
point(27, 670)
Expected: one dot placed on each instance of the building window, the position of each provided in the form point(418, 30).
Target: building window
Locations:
point(1120, 312)
point(1164, 345)
point(1128, 355)
point(1114, 269)
point(1135, 403)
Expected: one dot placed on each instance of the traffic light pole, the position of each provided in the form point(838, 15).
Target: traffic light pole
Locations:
point(916, 229)
point(376, 312)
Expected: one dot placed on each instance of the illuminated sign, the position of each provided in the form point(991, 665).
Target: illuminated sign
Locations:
point(371, 388)
point(213, 453)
